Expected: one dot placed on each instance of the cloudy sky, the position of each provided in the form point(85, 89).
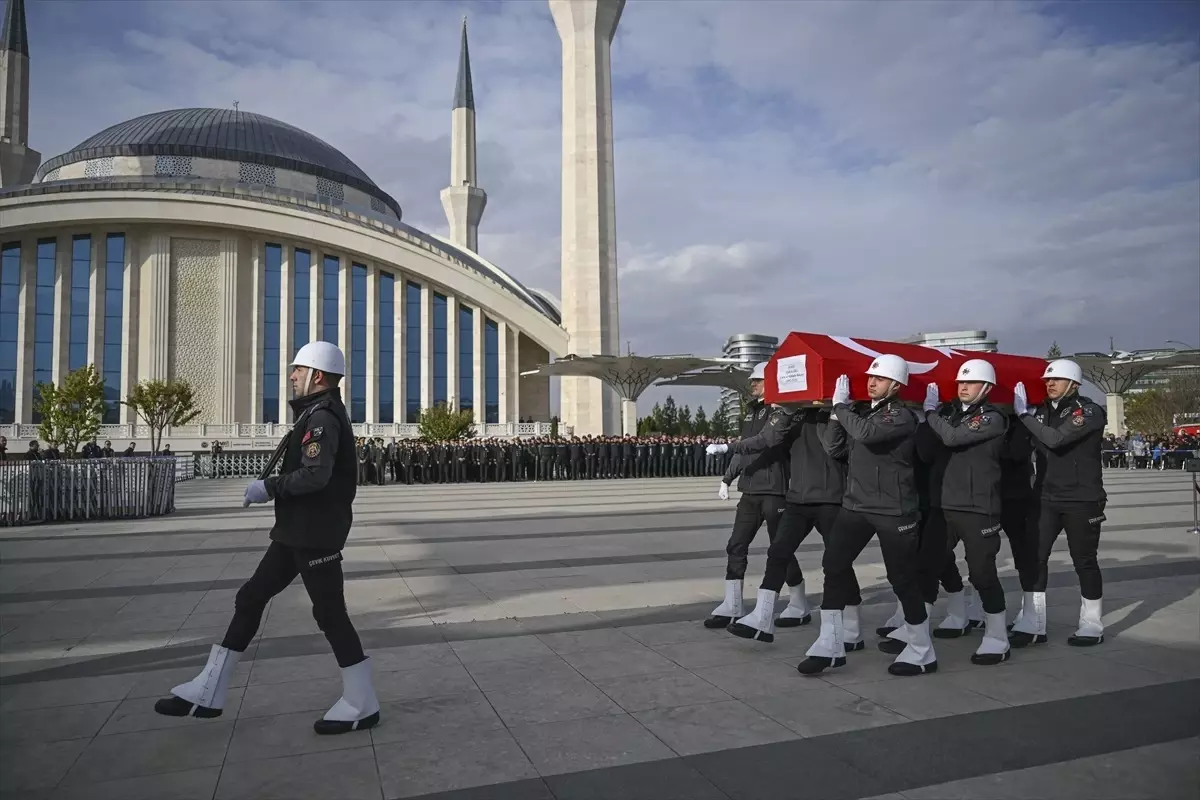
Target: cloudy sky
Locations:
point(845, 167)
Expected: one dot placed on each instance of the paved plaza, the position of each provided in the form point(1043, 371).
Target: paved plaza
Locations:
point(540, 641)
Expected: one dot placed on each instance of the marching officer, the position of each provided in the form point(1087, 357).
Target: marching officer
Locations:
point(313, 495)
point(880, 500)
point(1068, 434)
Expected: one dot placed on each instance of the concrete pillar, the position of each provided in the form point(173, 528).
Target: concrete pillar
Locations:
point(130, 327)
point(535, 390)
point(345, 293)
point(234, 342)
point(154, 356)
point(512, 375)
point(629, 417)
point(452, 372)
point(26, 309)
point(1114, 404)
point(589, 245)
point(371, 368)
point(64, 248)
point(96, 279)
point(504, 371)
point(426, 346)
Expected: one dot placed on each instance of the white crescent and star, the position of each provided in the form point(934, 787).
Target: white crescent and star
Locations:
point(914, 368)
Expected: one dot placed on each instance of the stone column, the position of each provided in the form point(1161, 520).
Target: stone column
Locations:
point(233, 339)
point(452, 372)
point(26, 298)
point(513, 375)
point(504, 369)
point(371, 368)
point(1114, 406)
point(62, 307)
point(629, 417)
point(258, 286)
point(131, 302)
point(345, 293)
point(154, 355)
point(96, 281)
point(426, 346)
point(478, 368)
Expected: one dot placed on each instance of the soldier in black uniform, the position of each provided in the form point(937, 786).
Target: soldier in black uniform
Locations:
point(1018, 505)
point(313, 495)
point(881, 499)
point(1068, 434)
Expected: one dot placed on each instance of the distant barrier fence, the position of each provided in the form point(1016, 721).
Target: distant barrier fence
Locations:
point(93, 488)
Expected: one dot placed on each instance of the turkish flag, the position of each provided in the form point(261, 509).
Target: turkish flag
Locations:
point(806, 366)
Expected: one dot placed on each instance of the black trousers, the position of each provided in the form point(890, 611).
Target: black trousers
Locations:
point(980, 535)
point(795, 524)
point(934, 566)
point(1019, 519)
point(321, 571)
point(898, 539)
point(1082, 523)
point(752, 511)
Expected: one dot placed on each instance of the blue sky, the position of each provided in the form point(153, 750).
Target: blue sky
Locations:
point(859, 168)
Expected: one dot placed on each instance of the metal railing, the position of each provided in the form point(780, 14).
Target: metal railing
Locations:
point(94, 488)
point(231, 465)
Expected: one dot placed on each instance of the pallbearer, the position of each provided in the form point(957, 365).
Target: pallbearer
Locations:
point(313, 494)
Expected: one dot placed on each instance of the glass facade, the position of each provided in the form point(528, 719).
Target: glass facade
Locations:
point(412, 352)
point(329, 299)
point(358, 343)
point(466, 359)
point(10, 288)
point(114, 301)
point(43, 319)
point(440, 344)
point(491, 371)
point(301, 296)
point(272, 307)
point(385, 379)
point(81, 276)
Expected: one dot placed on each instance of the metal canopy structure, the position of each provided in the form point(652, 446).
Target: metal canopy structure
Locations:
point(1116, 373)
point(731, 376)
point(629, 375)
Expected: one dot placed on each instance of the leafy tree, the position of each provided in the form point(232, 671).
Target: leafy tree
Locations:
point(162, 404)
point(684, 421)
point(669, 417)
point(720, 425)
point(700, 425)
point(1152, 412)
point(442, 424)
point(71, 413)
point(1054, 352)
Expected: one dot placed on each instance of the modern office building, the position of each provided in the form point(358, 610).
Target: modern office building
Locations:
point(749, 349)
point(210, 244)
point(959, 340)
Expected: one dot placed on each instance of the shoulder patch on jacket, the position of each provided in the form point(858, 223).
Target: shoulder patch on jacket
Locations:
point(312, 449)
point(312, 433)
point(1078, 420)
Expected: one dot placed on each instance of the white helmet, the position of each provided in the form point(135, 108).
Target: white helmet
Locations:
point(759, 372)
point(324, 356)
point(886, 366)
point(1064, 368)
point(977, 370)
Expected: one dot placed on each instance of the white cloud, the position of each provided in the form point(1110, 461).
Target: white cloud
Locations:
point(861, 168)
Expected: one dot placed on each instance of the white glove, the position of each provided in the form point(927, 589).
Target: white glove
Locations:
point(1020, 401)
point(932, 399)
point(256, 492)
point(723, 492)
point(841, 390)
point(716, 449)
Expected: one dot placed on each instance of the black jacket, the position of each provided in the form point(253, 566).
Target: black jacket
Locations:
point(816, 467)
point(880, 478)
point(1016, 464)
point(1068, 441)
point(965, 470)
point(318, 478)
point(759, 468)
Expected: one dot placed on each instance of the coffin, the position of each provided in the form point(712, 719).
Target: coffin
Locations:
point(806, 366)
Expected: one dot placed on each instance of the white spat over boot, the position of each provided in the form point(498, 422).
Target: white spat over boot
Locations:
point(829, 650)
point(357, 709)
point(955, 623)
point(1091, 624)
point(896, 620)
point(994, 649)
point(918, 657)
point(730, 609)
point(896, 641)
point(1030, 628)
point(759, 624)
point(204, 695)
point(976, 616)
point(851, 629)
point(796, 613)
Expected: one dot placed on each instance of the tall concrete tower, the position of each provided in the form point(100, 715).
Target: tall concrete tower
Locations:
point(18, 163)
point(462, 199)
point(589, 234)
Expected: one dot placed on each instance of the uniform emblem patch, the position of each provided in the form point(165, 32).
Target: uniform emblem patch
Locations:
point(975, 423)
point(312, 449)
point(762, 412)
point(1078, 421)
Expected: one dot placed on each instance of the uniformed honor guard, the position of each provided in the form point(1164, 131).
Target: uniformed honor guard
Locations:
point(313, 494)
point(762, 482)
point(1068, 434)
point(881, 499)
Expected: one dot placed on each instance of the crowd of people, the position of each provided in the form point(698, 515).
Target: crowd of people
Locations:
point(1138, 451)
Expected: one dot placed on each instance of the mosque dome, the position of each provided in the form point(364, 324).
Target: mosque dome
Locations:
point(187, 142)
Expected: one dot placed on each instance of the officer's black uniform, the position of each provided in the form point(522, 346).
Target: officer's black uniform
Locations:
point(964, 490)
point(1018, 504)
point(762, 480)
point(313, 495)
point(1068, 437)
point(880, 499)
